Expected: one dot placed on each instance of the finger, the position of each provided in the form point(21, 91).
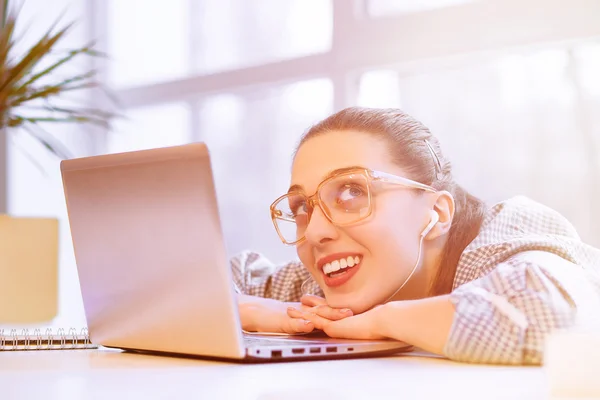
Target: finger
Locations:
point(326, 312)
point(309, 309)
point(348, 328)
point(333, 314)
point(295, 313)
point(305, 308)
point(318, 321)
point(355, 327)
point(297, 324)
point(312, 300)
point(338, 329)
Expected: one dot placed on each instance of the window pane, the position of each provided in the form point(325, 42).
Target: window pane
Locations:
point(238, 33)
point(380, 8)
point(251, 139)
point(515, 125)
point(148, 41)
point(379, 89)
point(588, 62)
point(151, 127)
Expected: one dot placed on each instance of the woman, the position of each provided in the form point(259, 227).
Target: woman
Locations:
point(391, 247)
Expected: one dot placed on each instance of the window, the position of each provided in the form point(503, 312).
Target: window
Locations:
point(480, 94)
point(149, 41)
point(252, 137)
point(239, 33)
point(587, 59)
point(249, 77)
point(149, 127)
point(381, 8)
point(152, 41)
point(379, 88)
point(516, 117)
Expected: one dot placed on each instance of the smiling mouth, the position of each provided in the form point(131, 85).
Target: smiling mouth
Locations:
point(341, 266)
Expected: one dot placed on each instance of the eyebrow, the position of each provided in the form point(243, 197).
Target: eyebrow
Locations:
point(294, 188)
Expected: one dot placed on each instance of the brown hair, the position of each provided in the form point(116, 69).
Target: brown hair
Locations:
point(417, 151)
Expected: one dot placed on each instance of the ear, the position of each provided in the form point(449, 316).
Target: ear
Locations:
point(444, 206)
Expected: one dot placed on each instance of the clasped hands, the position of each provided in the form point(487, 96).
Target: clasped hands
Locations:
point(336, 322)
point(311, 313)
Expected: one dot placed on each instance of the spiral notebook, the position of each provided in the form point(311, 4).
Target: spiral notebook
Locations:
point(47, 340)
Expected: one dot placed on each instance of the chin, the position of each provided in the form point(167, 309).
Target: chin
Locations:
point(357, 306)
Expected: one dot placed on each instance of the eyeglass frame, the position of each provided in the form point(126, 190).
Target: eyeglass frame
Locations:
point(313, 200)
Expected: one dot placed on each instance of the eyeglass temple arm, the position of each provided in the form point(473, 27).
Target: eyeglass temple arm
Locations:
point(279, 215)
point(384, 176)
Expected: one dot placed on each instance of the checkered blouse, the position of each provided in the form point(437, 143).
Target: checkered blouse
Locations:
point(526, 274)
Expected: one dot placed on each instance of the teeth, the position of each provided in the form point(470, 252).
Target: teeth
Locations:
point(340, 264)
point(335, 266)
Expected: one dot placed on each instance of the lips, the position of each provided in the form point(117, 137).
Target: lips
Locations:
point(339, 268)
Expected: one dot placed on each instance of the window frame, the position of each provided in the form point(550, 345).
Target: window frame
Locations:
point(415, 45)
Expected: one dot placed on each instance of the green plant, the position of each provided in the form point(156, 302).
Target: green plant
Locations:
point(30, 86)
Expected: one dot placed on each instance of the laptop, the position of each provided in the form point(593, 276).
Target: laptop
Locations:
point(152, 264)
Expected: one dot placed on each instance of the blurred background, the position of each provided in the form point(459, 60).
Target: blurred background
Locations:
point(511, 88)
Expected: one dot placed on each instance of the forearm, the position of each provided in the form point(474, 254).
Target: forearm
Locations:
point(495, 320)
point(249, 307)
point(255, 310)
point(501, 318)
point(424, 323)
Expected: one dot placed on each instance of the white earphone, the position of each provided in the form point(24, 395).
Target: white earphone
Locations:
point(435, 217)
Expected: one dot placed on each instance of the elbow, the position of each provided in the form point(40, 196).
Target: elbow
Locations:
point(505, 335)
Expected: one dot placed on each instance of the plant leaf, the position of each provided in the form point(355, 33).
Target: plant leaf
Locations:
point(33, 56)
point(72, 54)
point(5, 46)
point(20, 88)
point(58, 86)
point(91, 113)
point(28, 156)
point(56, 148)
point(16, 120)
point(48, 91)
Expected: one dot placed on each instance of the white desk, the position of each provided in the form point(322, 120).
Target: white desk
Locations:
point(111, 374)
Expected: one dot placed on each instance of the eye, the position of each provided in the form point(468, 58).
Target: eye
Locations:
point(349, 193)
point(298, 208)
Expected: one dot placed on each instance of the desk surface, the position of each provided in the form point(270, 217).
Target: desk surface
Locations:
point(99, 374)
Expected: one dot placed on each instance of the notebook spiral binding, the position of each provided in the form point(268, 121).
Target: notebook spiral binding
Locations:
point(60, 340)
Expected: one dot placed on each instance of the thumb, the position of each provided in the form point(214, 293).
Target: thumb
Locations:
point(312, 300)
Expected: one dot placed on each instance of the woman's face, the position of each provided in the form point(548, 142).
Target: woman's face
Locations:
point(386, 244)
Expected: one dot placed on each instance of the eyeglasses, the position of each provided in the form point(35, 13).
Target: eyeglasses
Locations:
point(345, 198)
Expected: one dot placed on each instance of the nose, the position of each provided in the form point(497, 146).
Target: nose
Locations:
point(319, 229)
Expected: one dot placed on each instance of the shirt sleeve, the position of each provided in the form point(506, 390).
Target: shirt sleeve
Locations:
point(255, 275)
point(505, 316)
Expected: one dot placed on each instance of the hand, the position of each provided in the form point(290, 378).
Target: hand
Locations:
point(339, 323)
point(258, 314)
point(316, 310)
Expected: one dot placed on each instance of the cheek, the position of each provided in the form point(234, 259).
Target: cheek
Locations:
point(305, 254)
point(399, 216)
point(390, 236)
